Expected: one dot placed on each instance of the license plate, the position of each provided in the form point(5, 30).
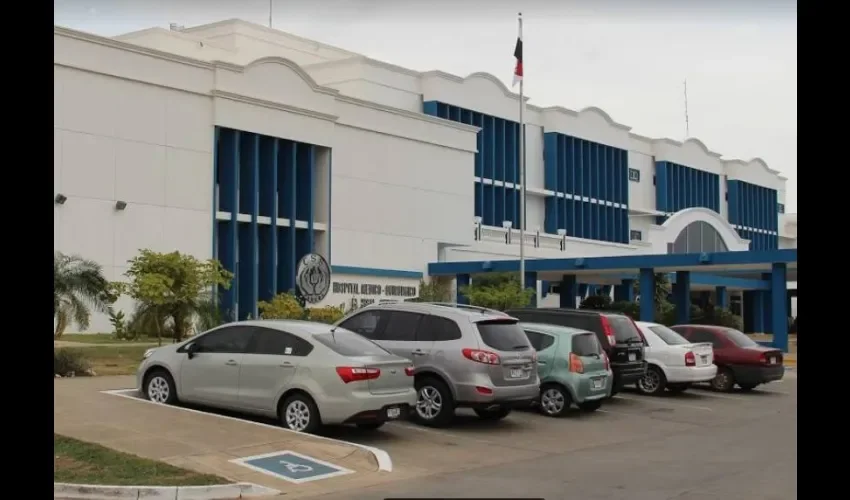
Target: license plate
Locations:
point(393, 413)
point(704, 358)
point(598, 383)
point(632, 356)
point(773, 361)
point(516, 373)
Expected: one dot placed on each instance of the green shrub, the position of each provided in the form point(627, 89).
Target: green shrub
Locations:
point(66, 361)
point(327, 314)
point(596, 302)
point(282, 306)
point(630, 309)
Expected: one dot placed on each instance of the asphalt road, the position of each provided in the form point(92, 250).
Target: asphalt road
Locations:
point(695, 446)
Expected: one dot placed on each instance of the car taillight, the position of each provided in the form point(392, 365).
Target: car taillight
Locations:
point(350, 374)
point(690, 359)
point(576, 366)
point(408, 370)
point(477, 355)
point(534, 356)
point(607, 362)
point(763, 358)
point(609, 332)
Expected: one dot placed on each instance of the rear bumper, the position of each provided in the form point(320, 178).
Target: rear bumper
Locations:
point(690, 375)
point(364, 406)
point(755, 375)
point(380, 415)
point(628, 373)
point(586, 391)
point(517, 395)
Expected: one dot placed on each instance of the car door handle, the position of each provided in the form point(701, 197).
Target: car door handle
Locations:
point(285, 364)
point(417, 353)
point(231, 362)
point(541, 362)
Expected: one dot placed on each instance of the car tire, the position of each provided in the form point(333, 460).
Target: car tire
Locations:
point(678, 388)
point(299, 413)
point(590, 406)
point(724, 381)
point(653, 382)
point(160, 387)
point(550, 396)
point(747, 387)
point(370, 426)
point(430, 390)
point(492, 415)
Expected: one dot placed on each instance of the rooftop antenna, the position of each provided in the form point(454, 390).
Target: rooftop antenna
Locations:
point(270, 13)
point(687, 121)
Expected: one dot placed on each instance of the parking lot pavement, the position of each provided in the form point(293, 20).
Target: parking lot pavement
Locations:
point(198, 441)
point(697, 445)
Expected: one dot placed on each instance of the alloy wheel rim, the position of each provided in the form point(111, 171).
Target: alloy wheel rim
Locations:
point(721, 381)
point(429, 403)
point(552, 401)
point(158, 390)
point(650, 381)
point(297, 415)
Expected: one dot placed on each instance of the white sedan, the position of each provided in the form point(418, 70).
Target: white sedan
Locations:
point(673, 362)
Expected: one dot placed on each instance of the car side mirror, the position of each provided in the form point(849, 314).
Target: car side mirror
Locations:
point(192, 349)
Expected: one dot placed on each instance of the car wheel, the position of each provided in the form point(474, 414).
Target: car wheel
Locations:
point(299, 413)
point(434, 404)
point(590, 406)
point(493, 415)
point(555, 401)
point(160, 387)
point(723, 381)
point(371, 426)
point(747, 387)
point(678, 388)
point(653, 382)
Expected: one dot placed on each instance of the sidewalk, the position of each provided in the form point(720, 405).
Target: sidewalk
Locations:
point(200, 442)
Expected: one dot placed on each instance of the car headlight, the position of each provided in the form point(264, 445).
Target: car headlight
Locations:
point(148, 353)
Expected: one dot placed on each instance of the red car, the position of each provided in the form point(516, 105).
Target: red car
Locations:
point(739, 359)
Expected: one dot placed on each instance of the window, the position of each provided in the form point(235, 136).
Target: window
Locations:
point(401, 326)
point(698, 237)
point(503, 335)
point(635, 235)
point(231, 340)
point(634, 175)
point(780, 208)
point(539, 341)
point(349, 343)
point(740, 339)
point(668, 336)
point(365, 323)
point(437, 329)
point(624, 329)
point(268, 341)
point(586, 344)
point(697, 336)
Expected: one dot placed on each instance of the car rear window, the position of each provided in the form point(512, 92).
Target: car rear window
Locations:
point(503, 335)
point(349, 343)
point(624, 329)
point(740, 339)
point(668, 336)
point(586, 344)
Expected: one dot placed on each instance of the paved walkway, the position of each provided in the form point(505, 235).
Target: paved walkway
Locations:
point(200, 442)
point(64, 343)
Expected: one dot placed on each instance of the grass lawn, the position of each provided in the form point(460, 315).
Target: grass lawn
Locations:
point(88, 463)
point(103, 338)
point(113, 359)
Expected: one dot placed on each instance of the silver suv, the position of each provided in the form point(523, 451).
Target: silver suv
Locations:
point(463, 356)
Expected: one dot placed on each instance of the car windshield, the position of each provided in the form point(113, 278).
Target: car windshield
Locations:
point(740, 339)
point(668, 336)
point(624, 329)
point(348, 343)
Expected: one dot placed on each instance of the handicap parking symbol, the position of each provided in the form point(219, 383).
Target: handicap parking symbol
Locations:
point(291, 466)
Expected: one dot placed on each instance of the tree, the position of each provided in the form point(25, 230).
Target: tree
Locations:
point(282, 306)
point(78, 288)
point(436, 289)
point(500, 295)
point(177, 288)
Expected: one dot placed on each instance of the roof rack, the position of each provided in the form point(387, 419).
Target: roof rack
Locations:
point(466, 307)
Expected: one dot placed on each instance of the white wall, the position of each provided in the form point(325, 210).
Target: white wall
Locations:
point(364, 290)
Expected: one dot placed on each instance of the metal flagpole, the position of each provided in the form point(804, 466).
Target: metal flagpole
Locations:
point(522, 169)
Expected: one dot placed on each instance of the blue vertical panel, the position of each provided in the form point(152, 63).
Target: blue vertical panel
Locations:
point(592, 170)
point(624, 228)
point(623, 177)
point(551, 153)
point(517, 139)
point(511, 205)
point(430, 108)
point(245, 272)
point(461, 282)
point(500, 150)
point(287, 176)
point(489, 148)
point(310, 195)
point(587, 222)
point(489, 207)
point(499, 202)
point(479, 138)
point(571, 155)
point(248, 233)
point(550, 220)
point(511, 154)
point(571, 217)
point(579, 224)
point(585, 169)
point(478, 199)
point(579, 167)
point(466, 116)
point(229, 190)
point(661, 201)
point(454, 113)
point(732, 204)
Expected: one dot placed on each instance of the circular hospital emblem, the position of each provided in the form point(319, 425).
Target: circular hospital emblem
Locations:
point(313, 277)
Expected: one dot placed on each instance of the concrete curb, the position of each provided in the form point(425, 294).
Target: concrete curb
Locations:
point(383, 459)
point(215, 492)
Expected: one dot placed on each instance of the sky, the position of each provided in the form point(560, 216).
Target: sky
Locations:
point(629, 58)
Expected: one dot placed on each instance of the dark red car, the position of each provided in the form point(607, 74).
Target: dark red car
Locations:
point(739, 359)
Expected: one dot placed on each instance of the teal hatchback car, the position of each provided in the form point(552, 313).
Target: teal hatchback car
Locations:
point(572, 366)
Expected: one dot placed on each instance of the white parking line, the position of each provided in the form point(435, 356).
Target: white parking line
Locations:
point(719, 396)
point(664, 403)
point(385, 463)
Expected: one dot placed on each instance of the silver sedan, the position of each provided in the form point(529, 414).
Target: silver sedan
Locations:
point(305, 374)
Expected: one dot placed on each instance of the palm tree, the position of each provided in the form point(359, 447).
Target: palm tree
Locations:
point(78, 288)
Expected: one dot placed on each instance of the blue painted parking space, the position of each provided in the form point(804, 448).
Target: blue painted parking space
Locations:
point(291, 466)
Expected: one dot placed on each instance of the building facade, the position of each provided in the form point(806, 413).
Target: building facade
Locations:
point(253, 146)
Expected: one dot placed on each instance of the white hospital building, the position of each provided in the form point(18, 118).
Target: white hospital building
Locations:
point(236, 141)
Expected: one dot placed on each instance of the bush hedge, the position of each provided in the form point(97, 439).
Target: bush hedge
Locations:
point(68, 361)
point(665, 312)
